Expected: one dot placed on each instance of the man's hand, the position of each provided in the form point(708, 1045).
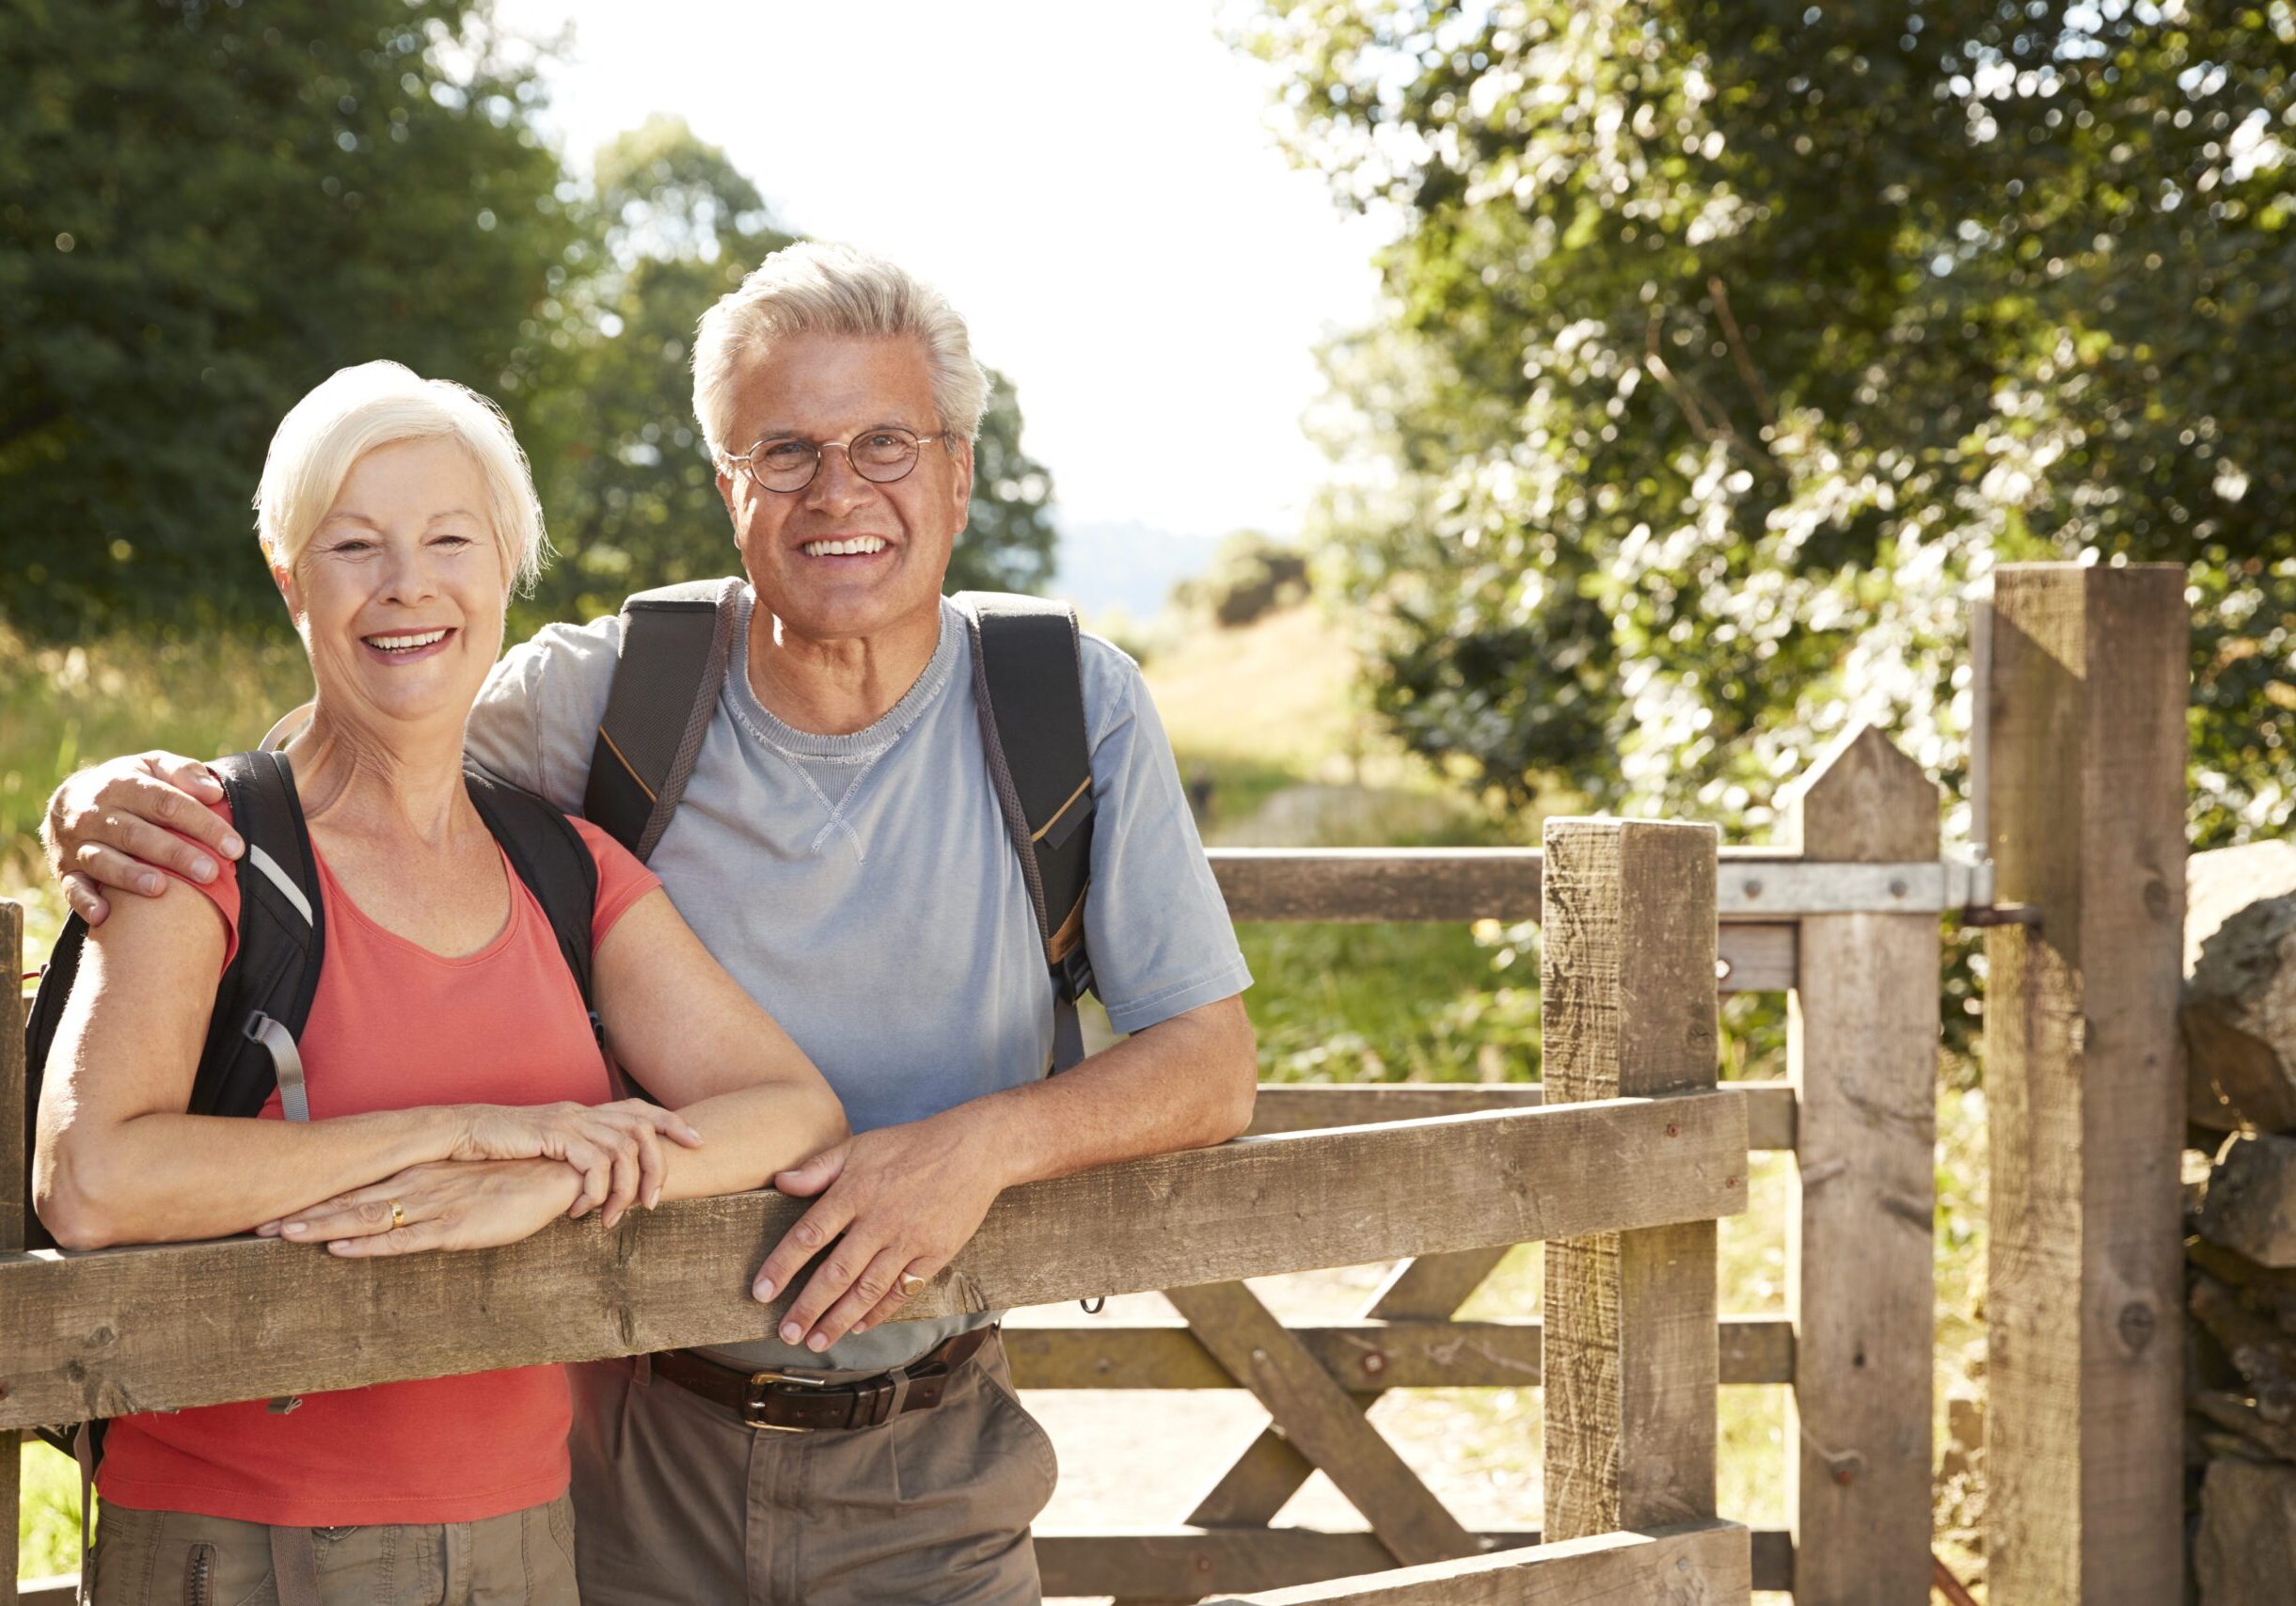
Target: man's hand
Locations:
point(906, 1199)
point(110, 826)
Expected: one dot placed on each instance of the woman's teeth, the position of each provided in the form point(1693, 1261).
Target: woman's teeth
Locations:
point(407, 644)
point(854, 547)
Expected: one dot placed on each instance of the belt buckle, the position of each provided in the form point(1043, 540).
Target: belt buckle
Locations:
point(761, 1384)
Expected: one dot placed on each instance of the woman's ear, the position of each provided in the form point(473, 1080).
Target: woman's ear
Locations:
point(284, 578)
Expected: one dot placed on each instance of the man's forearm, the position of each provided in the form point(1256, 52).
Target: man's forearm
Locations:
point(1185, 1084)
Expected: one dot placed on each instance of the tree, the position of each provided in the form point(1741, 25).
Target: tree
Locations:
point(1728, 340)
point(208, 209)
point(629, 483)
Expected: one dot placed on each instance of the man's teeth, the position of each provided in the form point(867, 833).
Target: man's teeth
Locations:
point(858, 545)
point(407, 644)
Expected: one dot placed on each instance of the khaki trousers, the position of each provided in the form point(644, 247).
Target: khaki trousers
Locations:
point(177, 1558)
point(680, 1503)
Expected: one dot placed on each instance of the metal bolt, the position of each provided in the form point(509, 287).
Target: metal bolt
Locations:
point(1753, 889)
point(1844, 1474)
point(1897, 888)
point(1730, 1182)
point(1374, 1363)
point(1260, 1358)
point(1673, 1130)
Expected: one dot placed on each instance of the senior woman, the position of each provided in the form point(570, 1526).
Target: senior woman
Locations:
point(397, 515)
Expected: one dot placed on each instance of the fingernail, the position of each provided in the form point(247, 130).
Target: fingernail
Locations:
point(294, 1229)
point(861, 1326)
point(268, 1230)
point(232, 846)
point(816, 1344)
point(791, 1332)
point(148, 885)
point(763, 1288)
point(203, 870)
point(653, 1199)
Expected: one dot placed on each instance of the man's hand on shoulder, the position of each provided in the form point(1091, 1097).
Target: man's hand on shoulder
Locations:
point(906, 1199)
point(114, 826)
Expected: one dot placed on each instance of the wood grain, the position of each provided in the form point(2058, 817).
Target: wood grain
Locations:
point(1862, 1057)
point(1315, 1414)
point(1707, 1566)
point(1187, 1564)
point(115, 1331)
point(1626, 973)
point(1367, 1357)
point(1307, 1106)
point(2083, 1084)
point(13, 1194)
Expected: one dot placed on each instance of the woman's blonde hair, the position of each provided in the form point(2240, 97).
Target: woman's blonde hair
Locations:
point(814, 288)
point(355, 410)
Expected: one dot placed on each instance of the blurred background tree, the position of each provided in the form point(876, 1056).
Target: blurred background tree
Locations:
point(1728, 340)
point(209, 208)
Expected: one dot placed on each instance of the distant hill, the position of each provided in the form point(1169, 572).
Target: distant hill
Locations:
point(1128, 564)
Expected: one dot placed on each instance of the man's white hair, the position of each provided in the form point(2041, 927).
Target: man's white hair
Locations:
point(818, 288)
point(355, 410)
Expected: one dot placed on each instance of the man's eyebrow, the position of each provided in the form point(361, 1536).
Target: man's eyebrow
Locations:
point(790, 432)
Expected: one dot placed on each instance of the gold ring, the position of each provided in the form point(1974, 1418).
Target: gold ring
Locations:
point(911, 1283)
point(398, 1213)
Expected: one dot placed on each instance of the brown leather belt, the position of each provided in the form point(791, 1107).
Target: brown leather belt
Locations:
point(779, 1401)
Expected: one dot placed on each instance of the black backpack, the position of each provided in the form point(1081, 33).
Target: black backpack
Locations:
point(265, 992)
point(1027, 679)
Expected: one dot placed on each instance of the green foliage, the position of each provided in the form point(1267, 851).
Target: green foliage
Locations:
point(1728, 340)
point(1251, 574)
point(209, 209)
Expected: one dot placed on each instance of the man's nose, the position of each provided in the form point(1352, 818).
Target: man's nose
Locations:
point(836, 485)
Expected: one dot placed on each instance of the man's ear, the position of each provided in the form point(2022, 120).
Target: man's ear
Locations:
point(725, 495)
point(963, 485)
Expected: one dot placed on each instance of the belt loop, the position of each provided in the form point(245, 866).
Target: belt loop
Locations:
point(898, 1395)
point(641, 1370)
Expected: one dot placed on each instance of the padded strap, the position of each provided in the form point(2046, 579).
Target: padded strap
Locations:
point(675, 642)
point(265, 994)
point(1029, 685)
point(294, 1567)
point(551, 858)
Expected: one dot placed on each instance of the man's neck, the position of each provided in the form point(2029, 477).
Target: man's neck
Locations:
point(836, 687)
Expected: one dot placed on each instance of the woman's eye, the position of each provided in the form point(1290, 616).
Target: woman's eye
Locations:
point(452, 543)
point(352, 548)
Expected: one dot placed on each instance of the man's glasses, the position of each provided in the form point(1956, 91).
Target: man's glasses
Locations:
point(787, 463)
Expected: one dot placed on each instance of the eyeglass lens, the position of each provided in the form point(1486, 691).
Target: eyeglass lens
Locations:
point(878, 456)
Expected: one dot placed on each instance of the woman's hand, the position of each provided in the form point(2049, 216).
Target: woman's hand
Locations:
point(616, 1147)
point(443, 1204)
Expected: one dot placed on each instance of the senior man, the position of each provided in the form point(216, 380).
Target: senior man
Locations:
point(839, 849)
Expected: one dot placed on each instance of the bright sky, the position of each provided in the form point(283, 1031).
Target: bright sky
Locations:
point(1094, 187)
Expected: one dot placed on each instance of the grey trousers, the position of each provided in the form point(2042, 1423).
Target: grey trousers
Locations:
point(177, 1558)
point(677, 1503)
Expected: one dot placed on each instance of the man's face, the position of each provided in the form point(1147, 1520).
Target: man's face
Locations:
point(831, 387)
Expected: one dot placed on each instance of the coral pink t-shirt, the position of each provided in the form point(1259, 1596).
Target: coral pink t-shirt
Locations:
point(395, 1026)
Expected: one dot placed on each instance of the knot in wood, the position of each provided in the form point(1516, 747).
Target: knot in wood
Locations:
point(2137, 1324)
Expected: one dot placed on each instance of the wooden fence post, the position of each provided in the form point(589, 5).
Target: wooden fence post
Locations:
point(2085, 1086)
point(1862, 1052)
point(1628, 1009)
point(12, 1202)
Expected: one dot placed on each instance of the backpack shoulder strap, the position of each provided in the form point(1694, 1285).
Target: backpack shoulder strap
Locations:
point(553, 861)
point(266, 992)
point(674, 646)
point(1028, 682)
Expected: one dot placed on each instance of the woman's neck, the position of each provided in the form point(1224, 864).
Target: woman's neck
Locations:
point(407, 783)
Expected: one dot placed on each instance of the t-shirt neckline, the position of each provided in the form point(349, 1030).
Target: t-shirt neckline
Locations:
point(872, 741)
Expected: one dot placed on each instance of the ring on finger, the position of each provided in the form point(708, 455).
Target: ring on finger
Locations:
point(398, 1213)
point(911, 1283)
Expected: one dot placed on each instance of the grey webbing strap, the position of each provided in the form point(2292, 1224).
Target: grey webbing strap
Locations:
point(294, 1567)
point(280, 880)
point(280, 1044)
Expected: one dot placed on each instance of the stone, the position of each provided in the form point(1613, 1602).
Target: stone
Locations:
point(2239, 992)
point(2251, 1204)
point(2246, 1551)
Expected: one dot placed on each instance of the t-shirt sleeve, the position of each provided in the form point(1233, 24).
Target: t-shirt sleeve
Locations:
point(622, 880)
point(536, 718)
point(223, 892)
point(1155, 923)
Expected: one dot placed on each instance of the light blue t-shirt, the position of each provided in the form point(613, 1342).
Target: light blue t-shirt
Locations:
point(865, 890)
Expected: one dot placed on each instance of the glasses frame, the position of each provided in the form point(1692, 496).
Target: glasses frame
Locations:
point(748, 460)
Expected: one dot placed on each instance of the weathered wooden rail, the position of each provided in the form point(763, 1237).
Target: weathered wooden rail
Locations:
point(1624, 1183)
point(1845, 919)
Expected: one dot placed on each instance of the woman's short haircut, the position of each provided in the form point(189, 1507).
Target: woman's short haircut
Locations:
point(818, 289)
point(355, 410)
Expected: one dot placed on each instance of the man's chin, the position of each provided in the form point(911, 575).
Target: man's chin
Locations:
point(842, 612)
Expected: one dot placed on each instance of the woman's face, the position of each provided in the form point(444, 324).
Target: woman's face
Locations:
point(399, 593)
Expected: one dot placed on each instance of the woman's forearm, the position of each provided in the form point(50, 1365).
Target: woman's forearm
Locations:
point(163, 1178)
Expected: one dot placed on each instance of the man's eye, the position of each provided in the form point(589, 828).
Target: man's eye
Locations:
point(785, 454)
